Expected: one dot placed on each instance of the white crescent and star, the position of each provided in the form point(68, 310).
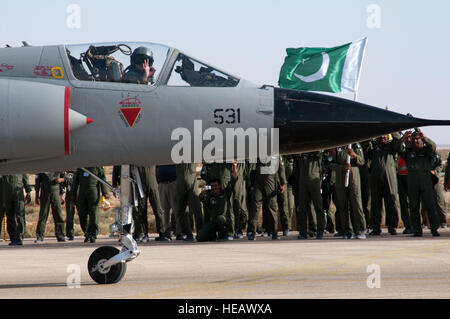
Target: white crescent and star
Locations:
point(320, 74)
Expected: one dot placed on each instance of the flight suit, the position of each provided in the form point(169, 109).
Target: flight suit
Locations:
point(402, 180)
point(286, 199)
point(223, 172)
point(187, 194)
point(88, 189)
point(48, 190)
point(447, 173)
point(364, 172)
point(135, 76)
point(420, 187)
point(249, 176)
point(166, 177)
point(266, 187)
point(70, 206)
point(14, 204)
point(309, 185)
point(327, 190)
point(151, 194)
point(383, 179)
point(2, 209)
point(438, 191)
point(348, 199)
point(218, 209)
point(240, 212)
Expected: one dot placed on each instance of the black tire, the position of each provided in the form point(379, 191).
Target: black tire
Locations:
point(115, 272)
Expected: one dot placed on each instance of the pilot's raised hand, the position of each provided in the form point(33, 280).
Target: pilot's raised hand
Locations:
point(147, 68)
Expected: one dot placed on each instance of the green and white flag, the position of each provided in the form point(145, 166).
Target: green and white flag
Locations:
point(323, 69)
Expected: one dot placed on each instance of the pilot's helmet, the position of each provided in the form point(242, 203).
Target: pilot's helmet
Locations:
point(140, 54)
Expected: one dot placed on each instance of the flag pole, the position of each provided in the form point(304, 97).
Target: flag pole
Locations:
point(355, 97)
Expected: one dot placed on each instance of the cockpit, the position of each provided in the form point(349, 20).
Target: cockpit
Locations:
point(111, 62)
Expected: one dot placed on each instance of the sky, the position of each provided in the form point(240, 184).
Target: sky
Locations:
point(406, 65)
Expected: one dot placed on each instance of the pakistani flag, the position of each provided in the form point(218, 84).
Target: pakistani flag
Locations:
point(323, 69)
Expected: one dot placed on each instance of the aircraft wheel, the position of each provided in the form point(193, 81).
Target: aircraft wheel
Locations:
point(109, 275)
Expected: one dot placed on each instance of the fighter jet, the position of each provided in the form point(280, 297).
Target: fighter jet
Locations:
point(69, 106)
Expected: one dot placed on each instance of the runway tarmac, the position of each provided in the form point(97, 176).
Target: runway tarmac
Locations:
point(402, 267)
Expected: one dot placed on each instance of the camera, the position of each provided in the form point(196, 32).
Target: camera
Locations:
point(207, 187)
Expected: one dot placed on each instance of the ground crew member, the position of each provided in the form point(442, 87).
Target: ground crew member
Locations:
point(187, 186)
point(151, 194)
point(223, 172)
point(268, 182)
point(309, 184)
point(327, 190)
point(348, 199)
point(364, 172)
point(14, 205)
point(47, 186)
point(240, 213)
point(402, 179)
point(447, 174)
point(419, 159)
point(438, 191)
point(166, 176)
point(383, 178)
point(286, 199)
point(86, 193)
point(2, 209)
point(70, 207)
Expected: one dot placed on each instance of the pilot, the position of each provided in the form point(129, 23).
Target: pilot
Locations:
point(141, 68)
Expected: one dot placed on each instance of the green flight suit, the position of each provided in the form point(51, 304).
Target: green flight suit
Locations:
point(240, 212)
point(309, 184)
point(70, 206)
point(216, 219)
point(383, 178)
point(135, 76)
point(402, 181)
point(151, 194)
point(420, 186)
point(223, 173)
point(265, 189)
point(48, 191)
point(286, 199)
point(438, 191)
point(348, 199)
point(14, 204)
point(447, 171)
point(249, 175)
point(88, 189)
point(2, 209)
point(187, 194)
point(364, 173)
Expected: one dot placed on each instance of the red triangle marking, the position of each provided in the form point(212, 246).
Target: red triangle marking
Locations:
point(130, 114)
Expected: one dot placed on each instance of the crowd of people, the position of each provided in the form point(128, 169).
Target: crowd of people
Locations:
point(399, 172)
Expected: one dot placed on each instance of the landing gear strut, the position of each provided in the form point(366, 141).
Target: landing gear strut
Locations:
point(107, 265)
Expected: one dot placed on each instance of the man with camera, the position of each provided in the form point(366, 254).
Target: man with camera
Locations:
point(217, 209)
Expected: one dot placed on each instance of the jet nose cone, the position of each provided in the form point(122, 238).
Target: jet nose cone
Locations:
point(309, 121)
